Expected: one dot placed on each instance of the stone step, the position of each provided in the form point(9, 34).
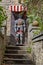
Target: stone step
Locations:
point(13, 48)
point(16, 51)
point(18, 64)
point(16, 46)
point(9, 50)
point(17, 57)
point(16, 61)
point(12, 59)
point(15, 54)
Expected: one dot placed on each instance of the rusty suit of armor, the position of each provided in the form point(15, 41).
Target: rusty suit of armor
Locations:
point(19, 28)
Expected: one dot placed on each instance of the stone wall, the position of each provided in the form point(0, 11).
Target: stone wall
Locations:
point(37, 50)
point(2, 44)
point(36, 45)
point(1, 48)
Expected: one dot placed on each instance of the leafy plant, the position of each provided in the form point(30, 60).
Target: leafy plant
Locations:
point(2, 15)
point(0, 0)
point(35, 12)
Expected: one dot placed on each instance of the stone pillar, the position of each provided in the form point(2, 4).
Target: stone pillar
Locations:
point(29, 35)
point(8, 22)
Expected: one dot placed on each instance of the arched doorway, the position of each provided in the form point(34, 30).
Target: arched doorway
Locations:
point(18, 14)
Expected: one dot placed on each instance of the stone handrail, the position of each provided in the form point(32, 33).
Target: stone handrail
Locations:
point(38, 37)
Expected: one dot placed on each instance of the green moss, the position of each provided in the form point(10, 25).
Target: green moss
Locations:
point(36, 32)
point(29, 50)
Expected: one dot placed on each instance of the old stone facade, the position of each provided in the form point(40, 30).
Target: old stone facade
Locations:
point(6, 4)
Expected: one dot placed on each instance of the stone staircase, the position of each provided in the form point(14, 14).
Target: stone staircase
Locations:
point(16, 55)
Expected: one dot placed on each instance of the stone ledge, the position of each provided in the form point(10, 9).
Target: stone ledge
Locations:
point(33, 28)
